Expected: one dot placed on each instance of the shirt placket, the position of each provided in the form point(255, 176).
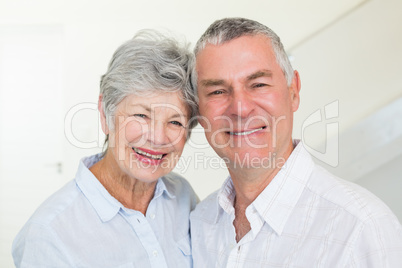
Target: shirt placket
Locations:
point(146, 235)
point(236, 260)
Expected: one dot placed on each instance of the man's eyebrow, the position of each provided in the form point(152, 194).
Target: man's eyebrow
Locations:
point(212, 82)
point(258, 74)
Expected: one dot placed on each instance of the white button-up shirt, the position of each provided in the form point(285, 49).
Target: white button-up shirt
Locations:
point(305, 217)
point(82, 225)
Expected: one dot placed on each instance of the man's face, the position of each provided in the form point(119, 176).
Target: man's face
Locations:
point(245, 104)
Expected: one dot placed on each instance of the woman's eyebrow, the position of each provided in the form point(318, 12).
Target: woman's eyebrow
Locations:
point(178, 115)
point(147, 108)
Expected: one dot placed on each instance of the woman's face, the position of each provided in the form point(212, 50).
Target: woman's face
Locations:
point(149, 135)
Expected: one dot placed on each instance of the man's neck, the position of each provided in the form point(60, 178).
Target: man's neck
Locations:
point(247, 188)
point(248, 184)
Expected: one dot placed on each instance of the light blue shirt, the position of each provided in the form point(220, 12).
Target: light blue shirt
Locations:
point(82, 225)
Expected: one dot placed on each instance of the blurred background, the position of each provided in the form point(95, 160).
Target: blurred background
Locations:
point(53, 52)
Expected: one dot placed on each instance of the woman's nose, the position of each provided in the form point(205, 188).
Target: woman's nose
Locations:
point(158, 134)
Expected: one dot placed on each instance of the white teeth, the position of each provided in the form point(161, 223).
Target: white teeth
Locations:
point(156, 156)
point(246, 132)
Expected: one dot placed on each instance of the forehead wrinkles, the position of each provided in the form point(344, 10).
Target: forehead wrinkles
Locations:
point(169, 110)
point(235, 59)
point(157, 111)
point(157, 101)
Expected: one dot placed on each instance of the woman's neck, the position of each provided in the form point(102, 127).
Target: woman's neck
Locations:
point(130, 192)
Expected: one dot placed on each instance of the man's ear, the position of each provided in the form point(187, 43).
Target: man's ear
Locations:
point(102, 115)
point(295, 91)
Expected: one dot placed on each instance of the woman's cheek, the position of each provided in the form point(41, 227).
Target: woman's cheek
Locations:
point(176, 136)
point(135, 132)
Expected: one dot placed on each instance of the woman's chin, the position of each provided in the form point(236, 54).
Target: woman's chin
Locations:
point(148, 172)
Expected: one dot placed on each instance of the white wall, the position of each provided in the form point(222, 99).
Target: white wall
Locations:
point(356, 61)
point(386, 183)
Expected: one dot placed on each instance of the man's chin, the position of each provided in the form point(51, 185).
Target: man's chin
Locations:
point(254, 161)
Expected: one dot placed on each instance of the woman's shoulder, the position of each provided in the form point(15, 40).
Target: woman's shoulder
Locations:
point(176, 182)
point(178, 186)
point(55, 204)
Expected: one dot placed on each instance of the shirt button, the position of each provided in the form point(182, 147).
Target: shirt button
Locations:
point(155, 253)
point(152, 216)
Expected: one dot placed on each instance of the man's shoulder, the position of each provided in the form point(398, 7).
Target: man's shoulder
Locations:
point(208, 209)
point(346, 195)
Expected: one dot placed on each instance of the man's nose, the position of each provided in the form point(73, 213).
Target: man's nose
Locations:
point(241, 104)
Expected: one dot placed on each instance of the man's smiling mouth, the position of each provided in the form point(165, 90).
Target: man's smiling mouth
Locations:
point(244, 133)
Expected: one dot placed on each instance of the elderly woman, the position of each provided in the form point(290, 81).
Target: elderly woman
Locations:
point(125, 208)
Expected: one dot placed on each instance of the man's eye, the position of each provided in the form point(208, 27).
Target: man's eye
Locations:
point(259, 85)
point(176, 123)
point(216, 92)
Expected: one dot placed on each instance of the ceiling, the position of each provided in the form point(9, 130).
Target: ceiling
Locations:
point(293, 20)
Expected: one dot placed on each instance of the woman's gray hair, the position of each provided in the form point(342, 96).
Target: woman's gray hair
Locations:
point(149, 63)
point(227, 29)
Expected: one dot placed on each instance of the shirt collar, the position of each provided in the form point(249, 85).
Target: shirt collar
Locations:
point(277, 201)
point(105, 205)
point(164, 187)
point(226, 196)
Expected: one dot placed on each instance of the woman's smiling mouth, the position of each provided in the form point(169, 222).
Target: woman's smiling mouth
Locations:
point(152, 155)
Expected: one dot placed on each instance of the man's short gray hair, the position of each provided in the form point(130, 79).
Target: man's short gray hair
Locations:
point(227, 29)
point(149, 63)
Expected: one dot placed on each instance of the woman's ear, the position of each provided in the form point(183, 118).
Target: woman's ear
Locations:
point(102, 115)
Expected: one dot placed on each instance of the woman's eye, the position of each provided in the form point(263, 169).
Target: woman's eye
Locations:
point(140, 115)
point(176, 123)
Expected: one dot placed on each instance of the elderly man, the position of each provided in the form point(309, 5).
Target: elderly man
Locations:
point(277, 208)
